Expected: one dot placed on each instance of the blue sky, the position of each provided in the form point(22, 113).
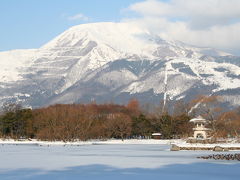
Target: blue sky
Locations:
point(203, 23)
point(31, 23)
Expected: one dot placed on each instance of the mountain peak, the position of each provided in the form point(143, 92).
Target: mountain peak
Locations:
point(122, 37)
point(127, 39)
point(110, 61)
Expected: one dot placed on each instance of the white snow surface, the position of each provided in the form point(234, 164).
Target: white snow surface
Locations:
point(90, 142)
point(114, 159)
point(184, 144)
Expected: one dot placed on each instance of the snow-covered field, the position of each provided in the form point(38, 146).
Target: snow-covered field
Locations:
point(110, 160)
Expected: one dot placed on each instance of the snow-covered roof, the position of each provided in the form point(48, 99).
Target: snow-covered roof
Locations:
point(156, 134)
point(198, 119)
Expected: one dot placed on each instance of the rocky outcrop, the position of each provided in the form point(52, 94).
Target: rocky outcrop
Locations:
point(192, 148)
point(222, 157)
point(202, 141)
point(218, 148)
point(175, 148)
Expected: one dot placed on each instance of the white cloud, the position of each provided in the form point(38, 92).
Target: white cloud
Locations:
point(212, 23)
point(79, 16)
point(203, 13)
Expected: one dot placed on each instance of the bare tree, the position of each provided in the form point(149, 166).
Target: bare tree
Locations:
point(119, 125)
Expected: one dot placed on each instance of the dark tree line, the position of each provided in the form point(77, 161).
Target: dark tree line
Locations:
point(91, 121)
point(16, 122)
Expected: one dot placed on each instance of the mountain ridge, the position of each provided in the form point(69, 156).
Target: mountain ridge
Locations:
point(107, 61)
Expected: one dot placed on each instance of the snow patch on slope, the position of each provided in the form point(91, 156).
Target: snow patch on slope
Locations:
point(12, 62)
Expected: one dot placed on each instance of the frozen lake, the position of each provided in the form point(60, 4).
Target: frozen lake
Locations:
point(110, 162)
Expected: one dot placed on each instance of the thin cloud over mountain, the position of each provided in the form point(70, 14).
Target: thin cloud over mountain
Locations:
point(213, 23)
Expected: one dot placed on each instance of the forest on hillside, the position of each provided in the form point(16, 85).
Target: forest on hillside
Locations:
point(70, 122)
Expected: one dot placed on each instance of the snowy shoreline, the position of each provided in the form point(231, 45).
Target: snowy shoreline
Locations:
point(227, 145)
point(90, 142)
point(182, 144)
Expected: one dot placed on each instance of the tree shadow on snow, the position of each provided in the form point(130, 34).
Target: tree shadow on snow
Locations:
point(196, 171)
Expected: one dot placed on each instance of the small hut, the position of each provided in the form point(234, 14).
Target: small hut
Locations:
point(156, 135)
point(200, 130)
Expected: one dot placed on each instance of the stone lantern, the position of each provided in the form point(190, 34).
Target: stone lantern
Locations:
point(200, 131)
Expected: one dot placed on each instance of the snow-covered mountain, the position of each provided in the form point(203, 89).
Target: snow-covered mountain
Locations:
point(115, 62)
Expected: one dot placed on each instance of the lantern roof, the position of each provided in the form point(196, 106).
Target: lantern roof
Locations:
point(199, 119)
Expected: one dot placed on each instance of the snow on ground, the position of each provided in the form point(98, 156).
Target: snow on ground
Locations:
point(130, 159)
point(91, 142)
point(184, 144)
